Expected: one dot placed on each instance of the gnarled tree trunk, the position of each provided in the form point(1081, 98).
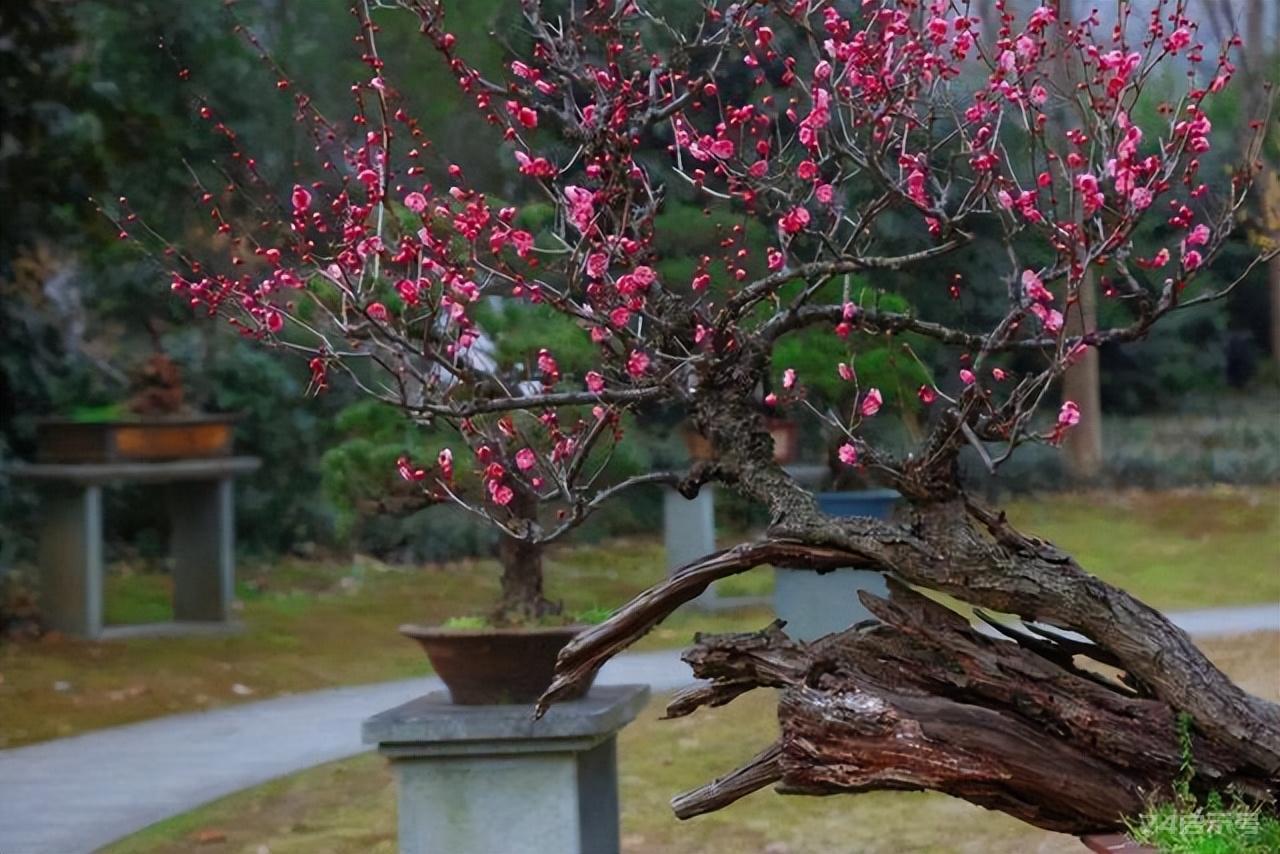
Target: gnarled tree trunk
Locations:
point(522, 598)
point(918, 699)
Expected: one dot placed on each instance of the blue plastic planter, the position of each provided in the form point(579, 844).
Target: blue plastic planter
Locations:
point(816, 605)
point(875, 503)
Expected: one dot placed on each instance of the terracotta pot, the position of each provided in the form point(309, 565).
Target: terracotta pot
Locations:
point(698, 446)
point(786, 440)
point(482, 667)
point(61, 440)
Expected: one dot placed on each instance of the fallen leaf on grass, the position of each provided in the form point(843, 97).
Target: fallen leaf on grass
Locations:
point(209, 836)
point(127, 693)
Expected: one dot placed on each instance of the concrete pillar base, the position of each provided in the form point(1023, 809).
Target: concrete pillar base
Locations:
point(689, 532)
point(818, 605)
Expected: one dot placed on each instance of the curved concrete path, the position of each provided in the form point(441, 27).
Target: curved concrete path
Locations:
point(77, 794)
point(74, 795)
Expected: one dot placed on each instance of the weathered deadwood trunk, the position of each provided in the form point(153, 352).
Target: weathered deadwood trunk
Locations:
point(918, 699)
point(923, 701)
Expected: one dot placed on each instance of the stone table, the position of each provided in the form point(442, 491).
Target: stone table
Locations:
point(202, 539)
point(485, 779)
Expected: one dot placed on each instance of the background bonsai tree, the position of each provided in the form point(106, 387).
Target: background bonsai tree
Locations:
point(874, 140)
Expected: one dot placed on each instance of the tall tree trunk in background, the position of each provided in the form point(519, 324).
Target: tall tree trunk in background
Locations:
point(990, 18)
point(1255, 72)
point(1270, 202)
point(1260, 62)
point(1083, 383)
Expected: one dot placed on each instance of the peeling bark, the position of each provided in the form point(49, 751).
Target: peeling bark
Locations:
point(920, 700)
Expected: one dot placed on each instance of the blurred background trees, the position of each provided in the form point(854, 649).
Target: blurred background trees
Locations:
point(89, 108)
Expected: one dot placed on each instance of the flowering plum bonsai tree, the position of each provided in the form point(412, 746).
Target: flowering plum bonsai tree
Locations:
point(875, 140)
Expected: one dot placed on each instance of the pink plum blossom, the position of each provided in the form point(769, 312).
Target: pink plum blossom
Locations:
point(871, 403)
point(1199, 235)
point(794, 221)
point(581, 207)
point(637, 363)
point(408, 471)
point(1034, 288)
point(500, 493)
point(1069, 414)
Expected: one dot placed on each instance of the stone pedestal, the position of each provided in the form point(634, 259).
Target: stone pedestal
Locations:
point(484, 779)
point(202, 540)
point(689, 532)
point(815, 605)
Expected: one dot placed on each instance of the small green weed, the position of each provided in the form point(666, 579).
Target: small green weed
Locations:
point(592, 616)
point(1184, 826)
point(466, 623)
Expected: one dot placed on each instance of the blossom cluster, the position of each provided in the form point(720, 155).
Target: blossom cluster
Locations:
point(821, 122)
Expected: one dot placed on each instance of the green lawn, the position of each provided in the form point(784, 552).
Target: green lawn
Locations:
point(1174, 549)
point(307, 625)
point(319, 623)
point(349, 806)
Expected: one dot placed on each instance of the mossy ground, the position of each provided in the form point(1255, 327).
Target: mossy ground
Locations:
point(318, 623)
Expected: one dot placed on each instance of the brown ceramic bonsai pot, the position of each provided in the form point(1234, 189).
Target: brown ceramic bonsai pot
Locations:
point(63, 440)
point(786, 439)
point(482, 667)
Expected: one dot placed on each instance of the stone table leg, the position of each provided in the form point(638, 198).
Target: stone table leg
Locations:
point(202, 544)
point(71, 560)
